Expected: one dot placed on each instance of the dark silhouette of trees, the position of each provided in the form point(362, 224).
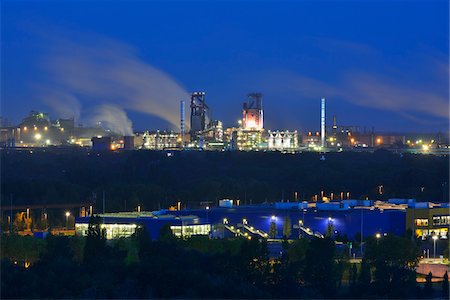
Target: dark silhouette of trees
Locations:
point(320, 269)
point(287, 228)
point(95, 246)
point(445, 286)
point(428, 287)
point(273, 229)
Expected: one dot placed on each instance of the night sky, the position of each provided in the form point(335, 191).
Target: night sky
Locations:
point(379, 63)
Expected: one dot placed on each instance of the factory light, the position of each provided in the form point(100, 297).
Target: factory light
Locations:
point(47, 142)
point(37, 136)
point(425, 147)
point(45, 128)
point(25, 128)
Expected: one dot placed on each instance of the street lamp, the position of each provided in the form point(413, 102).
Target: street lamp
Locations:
point(435, 237)
point(67, 219)
point(378, 236)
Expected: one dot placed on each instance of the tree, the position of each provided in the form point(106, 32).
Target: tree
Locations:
point(428, 288)
point(364, 278)
point(287, 227)
point(394, 259)
point(273, 230)
point(144, 242)
point(353, 278)
point(321, 268)
point(166, 234)
point(445, 286)
point(95, 241)
point(330, 230)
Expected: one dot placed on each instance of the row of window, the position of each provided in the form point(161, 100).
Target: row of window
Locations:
point(437, 221)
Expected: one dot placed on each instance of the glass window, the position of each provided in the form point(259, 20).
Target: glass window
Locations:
point(421, 222)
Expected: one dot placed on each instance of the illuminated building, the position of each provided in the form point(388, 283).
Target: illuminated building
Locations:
point(36, 130)
point(252, 113)
point(428, 219)
point(282, 140)
point(311, 140)
point(160, 140)
point(214, 132)
point(124, 224)
point(247, 140)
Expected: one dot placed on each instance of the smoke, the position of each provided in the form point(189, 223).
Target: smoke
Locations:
point(64, 105)
point(113, 118)
point(411, 100)
point(95, 69)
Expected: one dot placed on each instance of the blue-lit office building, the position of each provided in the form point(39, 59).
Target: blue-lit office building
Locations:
point(348, 217)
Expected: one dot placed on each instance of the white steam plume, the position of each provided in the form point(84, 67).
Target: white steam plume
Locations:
point(97, 69)
point(111, 117)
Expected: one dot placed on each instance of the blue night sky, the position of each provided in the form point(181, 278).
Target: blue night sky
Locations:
point(378, 63)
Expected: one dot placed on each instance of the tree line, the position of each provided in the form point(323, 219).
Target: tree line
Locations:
point(153, 180)
point(199, 267)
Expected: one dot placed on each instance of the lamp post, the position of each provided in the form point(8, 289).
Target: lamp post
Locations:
point(378, 236)
point(67, 219)
point(435, 237)
point(207, 217)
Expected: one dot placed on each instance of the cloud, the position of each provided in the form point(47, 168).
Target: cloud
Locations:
point(96, 70)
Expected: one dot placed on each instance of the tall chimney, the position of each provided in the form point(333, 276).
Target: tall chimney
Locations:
point(182, 122)
point(322, 123)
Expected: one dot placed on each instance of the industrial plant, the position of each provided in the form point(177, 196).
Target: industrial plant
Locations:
point(206, 133)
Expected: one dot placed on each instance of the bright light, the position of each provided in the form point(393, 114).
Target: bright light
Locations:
point(62, 129)
point(330, 219)
point(45, 128)
point(378, 235)
point(37, 136)
point(207, 207)
point(435, 237)
point(47, 142)
point(244, 221)
point(225, 221)
point(67, 213)
point(378, 141)
point(273, 218)
point(425, 147)
point(25, 128)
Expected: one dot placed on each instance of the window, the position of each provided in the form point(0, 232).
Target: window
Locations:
point(421, 222)
point(441, 220)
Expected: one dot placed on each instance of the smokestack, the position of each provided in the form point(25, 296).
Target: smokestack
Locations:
point(322, 123)
point(182, 122)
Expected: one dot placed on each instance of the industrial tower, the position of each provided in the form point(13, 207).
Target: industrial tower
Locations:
point(252, 113)
point(200, 115)
point(322, 123)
